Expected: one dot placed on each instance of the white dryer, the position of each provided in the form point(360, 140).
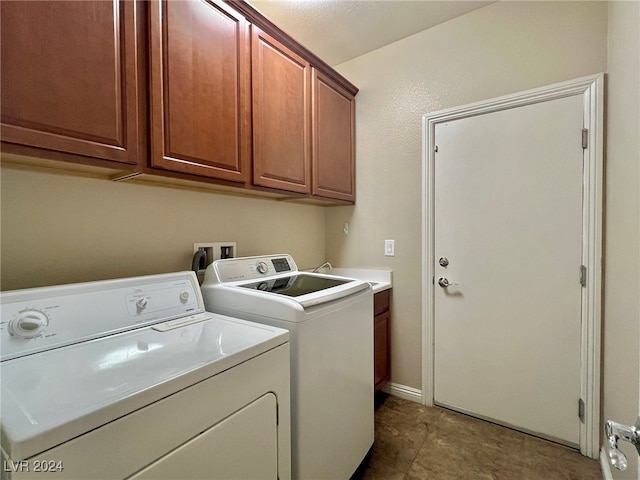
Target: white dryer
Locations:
point(330, 320)
point(132, 378)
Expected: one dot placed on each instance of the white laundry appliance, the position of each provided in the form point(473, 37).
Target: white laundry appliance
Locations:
point(132, 378)
point(330, 320)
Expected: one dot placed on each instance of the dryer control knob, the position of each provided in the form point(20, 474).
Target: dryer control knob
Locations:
point(184, 296)
point(28, 324)
point(262, 267)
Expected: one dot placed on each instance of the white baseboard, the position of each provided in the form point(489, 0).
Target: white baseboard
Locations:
point(604, 465)
point(402, 391)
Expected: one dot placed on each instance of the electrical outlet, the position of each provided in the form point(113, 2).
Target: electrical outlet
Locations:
point(217, 250)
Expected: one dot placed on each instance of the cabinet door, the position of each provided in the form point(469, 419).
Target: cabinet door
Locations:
point(200, 93)
point(281, 116)
point(333, 139)
point(70, 78)
point(382, 358)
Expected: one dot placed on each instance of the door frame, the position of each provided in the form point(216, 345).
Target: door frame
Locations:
point(592, 90)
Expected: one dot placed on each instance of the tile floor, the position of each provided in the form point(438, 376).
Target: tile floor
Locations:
point(431, 443)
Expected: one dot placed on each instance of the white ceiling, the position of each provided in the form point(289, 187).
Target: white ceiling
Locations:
point(339, 30)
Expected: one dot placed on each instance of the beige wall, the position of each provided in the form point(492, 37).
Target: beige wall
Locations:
point(503, 48)
point(60, 229)
point(622, 223)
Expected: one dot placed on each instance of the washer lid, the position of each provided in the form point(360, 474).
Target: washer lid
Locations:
point(51, 397)
point(276, 277)
point(308, 289)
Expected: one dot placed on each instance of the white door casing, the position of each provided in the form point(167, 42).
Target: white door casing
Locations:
point(589, 91)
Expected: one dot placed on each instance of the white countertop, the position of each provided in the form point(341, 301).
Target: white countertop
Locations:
point(380, 279)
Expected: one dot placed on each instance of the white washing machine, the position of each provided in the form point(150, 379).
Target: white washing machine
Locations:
point(132, 378)
point(330, 320)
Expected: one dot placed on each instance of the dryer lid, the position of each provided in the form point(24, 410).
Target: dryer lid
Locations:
point(53, 396)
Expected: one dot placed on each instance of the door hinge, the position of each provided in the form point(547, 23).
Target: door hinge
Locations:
point(277, 414)
point(585, 138)
point(583, 276)
point(581, 410)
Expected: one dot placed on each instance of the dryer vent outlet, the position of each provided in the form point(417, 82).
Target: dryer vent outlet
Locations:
point(216, 250)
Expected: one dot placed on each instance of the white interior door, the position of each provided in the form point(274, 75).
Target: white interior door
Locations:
point(508, 220)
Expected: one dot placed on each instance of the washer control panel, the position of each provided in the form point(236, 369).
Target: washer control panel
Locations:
point(38, 319)
point(251, 268)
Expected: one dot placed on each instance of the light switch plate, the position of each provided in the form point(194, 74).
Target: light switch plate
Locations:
point(389, 248)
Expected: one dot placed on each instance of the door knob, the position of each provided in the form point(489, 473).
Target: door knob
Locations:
point(616, 431)
point(444, 283)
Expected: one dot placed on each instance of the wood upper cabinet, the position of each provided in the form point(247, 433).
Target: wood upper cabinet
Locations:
point(204, 90)
point(200, 89)
point(281, 115)
point(333, 139)
point(70, 78)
